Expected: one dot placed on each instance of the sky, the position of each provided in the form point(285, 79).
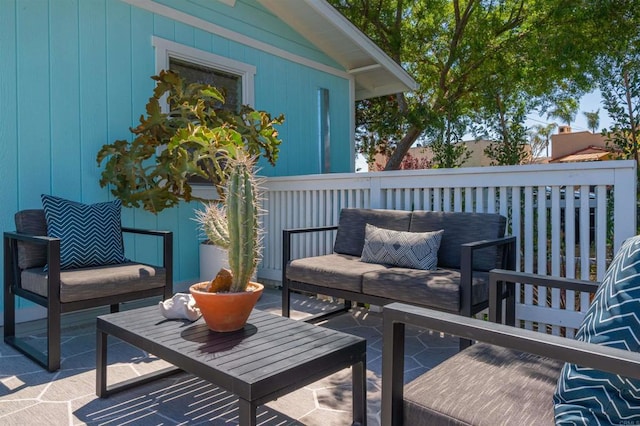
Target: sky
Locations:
point(588, 103)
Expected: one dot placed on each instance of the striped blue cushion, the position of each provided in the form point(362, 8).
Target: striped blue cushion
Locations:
point(90, 234)
point(587, 396)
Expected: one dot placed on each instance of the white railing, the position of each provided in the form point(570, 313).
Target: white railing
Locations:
point(551, 242)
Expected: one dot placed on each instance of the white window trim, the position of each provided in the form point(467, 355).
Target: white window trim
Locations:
point(166, 49)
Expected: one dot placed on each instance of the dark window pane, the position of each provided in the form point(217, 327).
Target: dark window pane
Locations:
point(229, 84)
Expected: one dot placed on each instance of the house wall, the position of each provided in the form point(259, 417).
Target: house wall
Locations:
point(568, 143)
point(74, 75)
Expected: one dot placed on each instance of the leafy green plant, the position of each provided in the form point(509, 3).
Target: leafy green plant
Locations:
point(196, 137)
point(234, 225)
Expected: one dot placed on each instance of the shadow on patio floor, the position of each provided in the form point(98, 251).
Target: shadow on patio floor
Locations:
point(30, 395)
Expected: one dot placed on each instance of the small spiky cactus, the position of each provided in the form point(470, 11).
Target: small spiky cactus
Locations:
point(234, 226)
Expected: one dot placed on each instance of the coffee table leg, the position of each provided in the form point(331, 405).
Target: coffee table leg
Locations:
point(359, 389)
point(247, 412)
point(101, 364)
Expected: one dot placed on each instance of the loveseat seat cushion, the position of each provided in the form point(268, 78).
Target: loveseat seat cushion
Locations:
point(351, 227)
point(507, 388)
point(339, 271)
point(460, 228)
point(95, 282)
point(437, 289)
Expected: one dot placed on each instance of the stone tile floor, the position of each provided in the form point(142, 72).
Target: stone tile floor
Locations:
point(29, 395)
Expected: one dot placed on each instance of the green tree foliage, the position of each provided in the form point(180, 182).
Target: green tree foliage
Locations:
point(465, 54)
point(540, 136)
point(620, 87)
point(593, 120)
point(507, 133)
point(566, 110)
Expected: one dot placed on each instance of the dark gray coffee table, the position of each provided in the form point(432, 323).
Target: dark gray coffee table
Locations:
point(270, 357)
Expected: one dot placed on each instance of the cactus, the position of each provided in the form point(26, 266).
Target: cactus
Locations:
point(234, 226)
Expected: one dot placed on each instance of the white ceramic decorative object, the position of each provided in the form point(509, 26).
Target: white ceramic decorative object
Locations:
point(180, 306)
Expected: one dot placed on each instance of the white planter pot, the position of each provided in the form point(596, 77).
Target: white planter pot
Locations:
point(212, 259)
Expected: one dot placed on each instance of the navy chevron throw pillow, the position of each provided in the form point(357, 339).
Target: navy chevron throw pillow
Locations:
point(589, 397)
point(90, 234)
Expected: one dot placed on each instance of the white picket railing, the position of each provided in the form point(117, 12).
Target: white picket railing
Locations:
point(602, 197)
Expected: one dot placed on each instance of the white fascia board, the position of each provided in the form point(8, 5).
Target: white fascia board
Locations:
point(330, 13)
point(207, 26)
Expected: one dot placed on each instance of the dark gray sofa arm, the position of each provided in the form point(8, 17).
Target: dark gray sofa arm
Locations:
point(286, 257)
point(397, 315)
point(502, 286)
point(286, 242)
point(508, 259)
point(167, 253)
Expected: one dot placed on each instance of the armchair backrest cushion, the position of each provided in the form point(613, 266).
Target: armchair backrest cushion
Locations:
point(90, 234)
point(31, 222)
point(460, 228)
point(351, 227)
point(587, 396)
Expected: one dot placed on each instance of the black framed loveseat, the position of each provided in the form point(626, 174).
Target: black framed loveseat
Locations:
point(471, 245)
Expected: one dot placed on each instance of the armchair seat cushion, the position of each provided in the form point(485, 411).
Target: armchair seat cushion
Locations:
point(95, 282)
point(484, 385)
point(339, 271)
point(437, 289)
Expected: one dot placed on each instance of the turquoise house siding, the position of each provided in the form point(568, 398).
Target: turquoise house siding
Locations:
point(74, 75)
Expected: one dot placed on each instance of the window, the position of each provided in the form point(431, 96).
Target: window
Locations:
point(233, 77)
point(229, 84)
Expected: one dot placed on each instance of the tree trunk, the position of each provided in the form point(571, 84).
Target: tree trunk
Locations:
point(632, 122)
point(402, 148)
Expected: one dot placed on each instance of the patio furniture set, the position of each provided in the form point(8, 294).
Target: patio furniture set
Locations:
point(508, 377)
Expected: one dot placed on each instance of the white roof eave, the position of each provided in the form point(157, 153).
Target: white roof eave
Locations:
point(374, 72)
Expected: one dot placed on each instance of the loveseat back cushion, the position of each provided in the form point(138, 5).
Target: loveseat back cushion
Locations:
point(101, 281)
point(507, 387)
point(31, 222)
point(460, 228)
point(351, 227)
point(587, 396)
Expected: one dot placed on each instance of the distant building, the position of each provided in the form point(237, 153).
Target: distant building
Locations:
point(571, 147)
point(424, 156)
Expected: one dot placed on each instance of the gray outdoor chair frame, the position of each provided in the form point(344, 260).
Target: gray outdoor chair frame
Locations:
point(397, 315)
point(50, 359)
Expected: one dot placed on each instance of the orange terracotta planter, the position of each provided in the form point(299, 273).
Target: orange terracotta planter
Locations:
point(226, 311)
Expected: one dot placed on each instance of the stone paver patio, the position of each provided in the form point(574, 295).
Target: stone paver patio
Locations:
point(29, 395)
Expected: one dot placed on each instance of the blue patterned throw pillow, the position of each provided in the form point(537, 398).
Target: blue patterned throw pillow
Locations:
point(90, 234)
point(589, 397)
point(416, 250)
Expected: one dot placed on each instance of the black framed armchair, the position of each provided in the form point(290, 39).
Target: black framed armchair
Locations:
point(28, 250)
point(511, 376)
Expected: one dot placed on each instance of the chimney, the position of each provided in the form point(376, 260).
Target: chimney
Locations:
point(564, 129)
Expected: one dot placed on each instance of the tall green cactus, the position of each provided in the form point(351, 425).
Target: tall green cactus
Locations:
point(234, 226)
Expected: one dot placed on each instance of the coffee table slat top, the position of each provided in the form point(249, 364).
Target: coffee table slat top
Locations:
point(248, 363)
